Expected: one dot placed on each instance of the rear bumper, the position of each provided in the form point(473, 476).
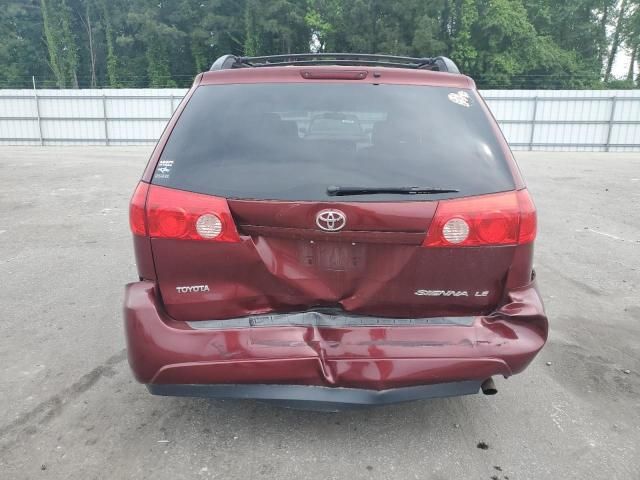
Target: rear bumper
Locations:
point(354, 364)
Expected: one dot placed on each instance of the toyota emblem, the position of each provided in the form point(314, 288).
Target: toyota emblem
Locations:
point(331, 220)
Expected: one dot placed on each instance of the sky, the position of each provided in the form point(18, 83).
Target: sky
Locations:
point(621, 64)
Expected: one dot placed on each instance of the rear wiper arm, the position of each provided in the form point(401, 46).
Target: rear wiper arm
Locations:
point(335, 191)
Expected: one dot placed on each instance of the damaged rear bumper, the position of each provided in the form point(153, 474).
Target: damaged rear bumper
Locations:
point(350, 360)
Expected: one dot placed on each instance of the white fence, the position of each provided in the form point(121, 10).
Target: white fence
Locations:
point(587, 120)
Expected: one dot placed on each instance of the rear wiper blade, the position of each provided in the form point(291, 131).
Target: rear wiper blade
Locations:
point(335, 191)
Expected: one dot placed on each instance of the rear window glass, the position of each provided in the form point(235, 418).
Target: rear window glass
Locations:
point(292, 141)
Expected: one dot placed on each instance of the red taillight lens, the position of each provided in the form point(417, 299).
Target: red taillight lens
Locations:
point(528, 218)
point(499, 219)
point(189, 216)
point(137, 220)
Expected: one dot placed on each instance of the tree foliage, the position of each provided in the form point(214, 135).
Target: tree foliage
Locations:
point(164, 43)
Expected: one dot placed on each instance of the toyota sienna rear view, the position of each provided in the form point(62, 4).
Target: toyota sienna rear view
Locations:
point(335, 230)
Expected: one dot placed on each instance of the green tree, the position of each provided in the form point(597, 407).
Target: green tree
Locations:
point(616, 38)
point(111, 57)
point(138, 43)
point(21, 45)
point(464, 17)
point(275, 26)
point(61, 43)
point(575, 28)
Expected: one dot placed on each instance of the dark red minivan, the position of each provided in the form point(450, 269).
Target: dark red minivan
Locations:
point(334, 230)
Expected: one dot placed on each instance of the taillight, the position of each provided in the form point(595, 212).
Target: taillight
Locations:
point(498, 219)
point(189, 216)
point(137, 220)
point(528, 218)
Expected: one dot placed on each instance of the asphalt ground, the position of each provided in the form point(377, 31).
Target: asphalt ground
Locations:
point(70, 408)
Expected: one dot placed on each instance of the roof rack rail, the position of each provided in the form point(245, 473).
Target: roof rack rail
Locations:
point(439, 64)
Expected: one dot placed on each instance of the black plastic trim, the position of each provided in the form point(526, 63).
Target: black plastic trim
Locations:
point(224, 62)
point(318, 397)
point(442, 64)
point(445, 64)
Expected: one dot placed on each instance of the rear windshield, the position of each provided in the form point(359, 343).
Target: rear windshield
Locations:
point(293, 141)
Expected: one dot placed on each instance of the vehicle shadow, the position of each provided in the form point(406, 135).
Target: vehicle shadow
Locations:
point(439, 415)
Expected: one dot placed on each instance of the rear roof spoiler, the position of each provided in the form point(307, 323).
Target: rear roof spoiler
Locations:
point(438, 64)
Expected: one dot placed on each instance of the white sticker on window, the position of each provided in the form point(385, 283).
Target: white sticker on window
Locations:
point(461, 98)
point(164, 168)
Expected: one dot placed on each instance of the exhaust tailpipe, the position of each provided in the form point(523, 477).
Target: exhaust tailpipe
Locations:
point(488, 387)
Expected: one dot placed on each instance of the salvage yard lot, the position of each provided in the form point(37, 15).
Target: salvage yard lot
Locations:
point(72, 410)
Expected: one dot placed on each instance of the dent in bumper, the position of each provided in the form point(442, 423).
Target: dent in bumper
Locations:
point(167, 352)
